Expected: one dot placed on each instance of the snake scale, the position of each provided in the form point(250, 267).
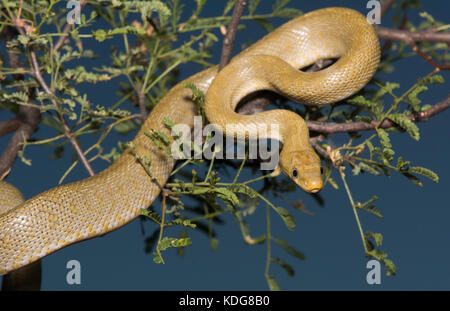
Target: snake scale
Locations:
point(96, 205)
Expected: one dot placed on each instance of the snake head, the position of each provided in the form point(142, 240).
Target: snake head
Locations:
point(303, 167)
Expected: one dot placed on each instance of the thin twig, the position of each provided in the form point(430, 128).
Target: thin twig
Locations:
point(332, 127)
point(164, 194)
point(67, 131)
point(231, 33)
point(141, 100)
point(315, 144)
point(38, 76)
point(428, 58)
point(411, 37)
point(355, 212)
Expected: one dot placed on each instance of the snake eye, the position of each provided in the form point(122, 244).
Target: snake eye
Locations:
point(294, 172)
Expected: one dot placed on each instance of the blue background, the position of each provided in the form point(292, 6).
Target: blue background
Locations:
point(415, 227)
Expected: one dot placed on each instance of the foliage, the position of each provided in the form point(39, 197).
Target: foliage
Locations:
point(148, 41)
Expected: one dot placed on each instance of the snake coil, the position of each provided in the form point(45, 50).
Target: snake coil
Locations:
point(94, 206)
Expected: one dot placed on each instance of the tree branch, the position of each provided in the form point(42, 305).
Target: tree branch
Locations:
point(417, 36)
point(231, 33)
point(386, 6)
point(9, 126)
point(30, 118)
point(36, 72)
point(314, 141)
point(411, 37)
point(141, 101)
point(67, 131)
point(333, 127)
point(26, 121)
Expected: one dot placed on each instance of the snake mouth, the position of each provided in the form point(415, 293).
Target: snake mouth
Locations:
point(313, 186)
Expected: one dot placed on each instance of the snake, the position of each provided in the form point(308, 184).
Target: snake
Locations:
point(92, 207)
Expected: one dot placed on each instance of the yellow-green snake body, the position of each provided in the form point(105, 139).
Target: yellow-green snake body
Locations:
point(94, 206)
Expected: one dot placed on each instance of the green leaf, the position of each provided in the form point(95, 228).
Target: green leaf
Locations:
point(379, 254)
point(128, 30)
point(197, 95)
point(333, 183)
point(388, 88)
point(288, 268)
point(291, 250)
point(384, 138)
point(182, 222)
point(227, 195)
point(146, 8)
point(198, 191)
point(125, 127)
point(152, 215)
point(413, 99)
point(369, 168)
point(266, 24)
point(200, 4)
point(169, 123)
point(382, 257)
point(163, 137)
point(402, 165)
point(279, 4)
point(428, 17)
point(287, 218)
point(406, 124)
point(361, 101)
point(213, 243)
point(388, 153)
point(244, 189)
point(252, 5)
point(369, 207)
point(412, 178)
point(377, 237)
point(424, 172)
point(79, 75)
point(100, 35)
point(435, 79)
point(273, 285)
point(228, 7)
point(157, 258)
point(166, 243)
point(287, 13)
point(161, 140)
